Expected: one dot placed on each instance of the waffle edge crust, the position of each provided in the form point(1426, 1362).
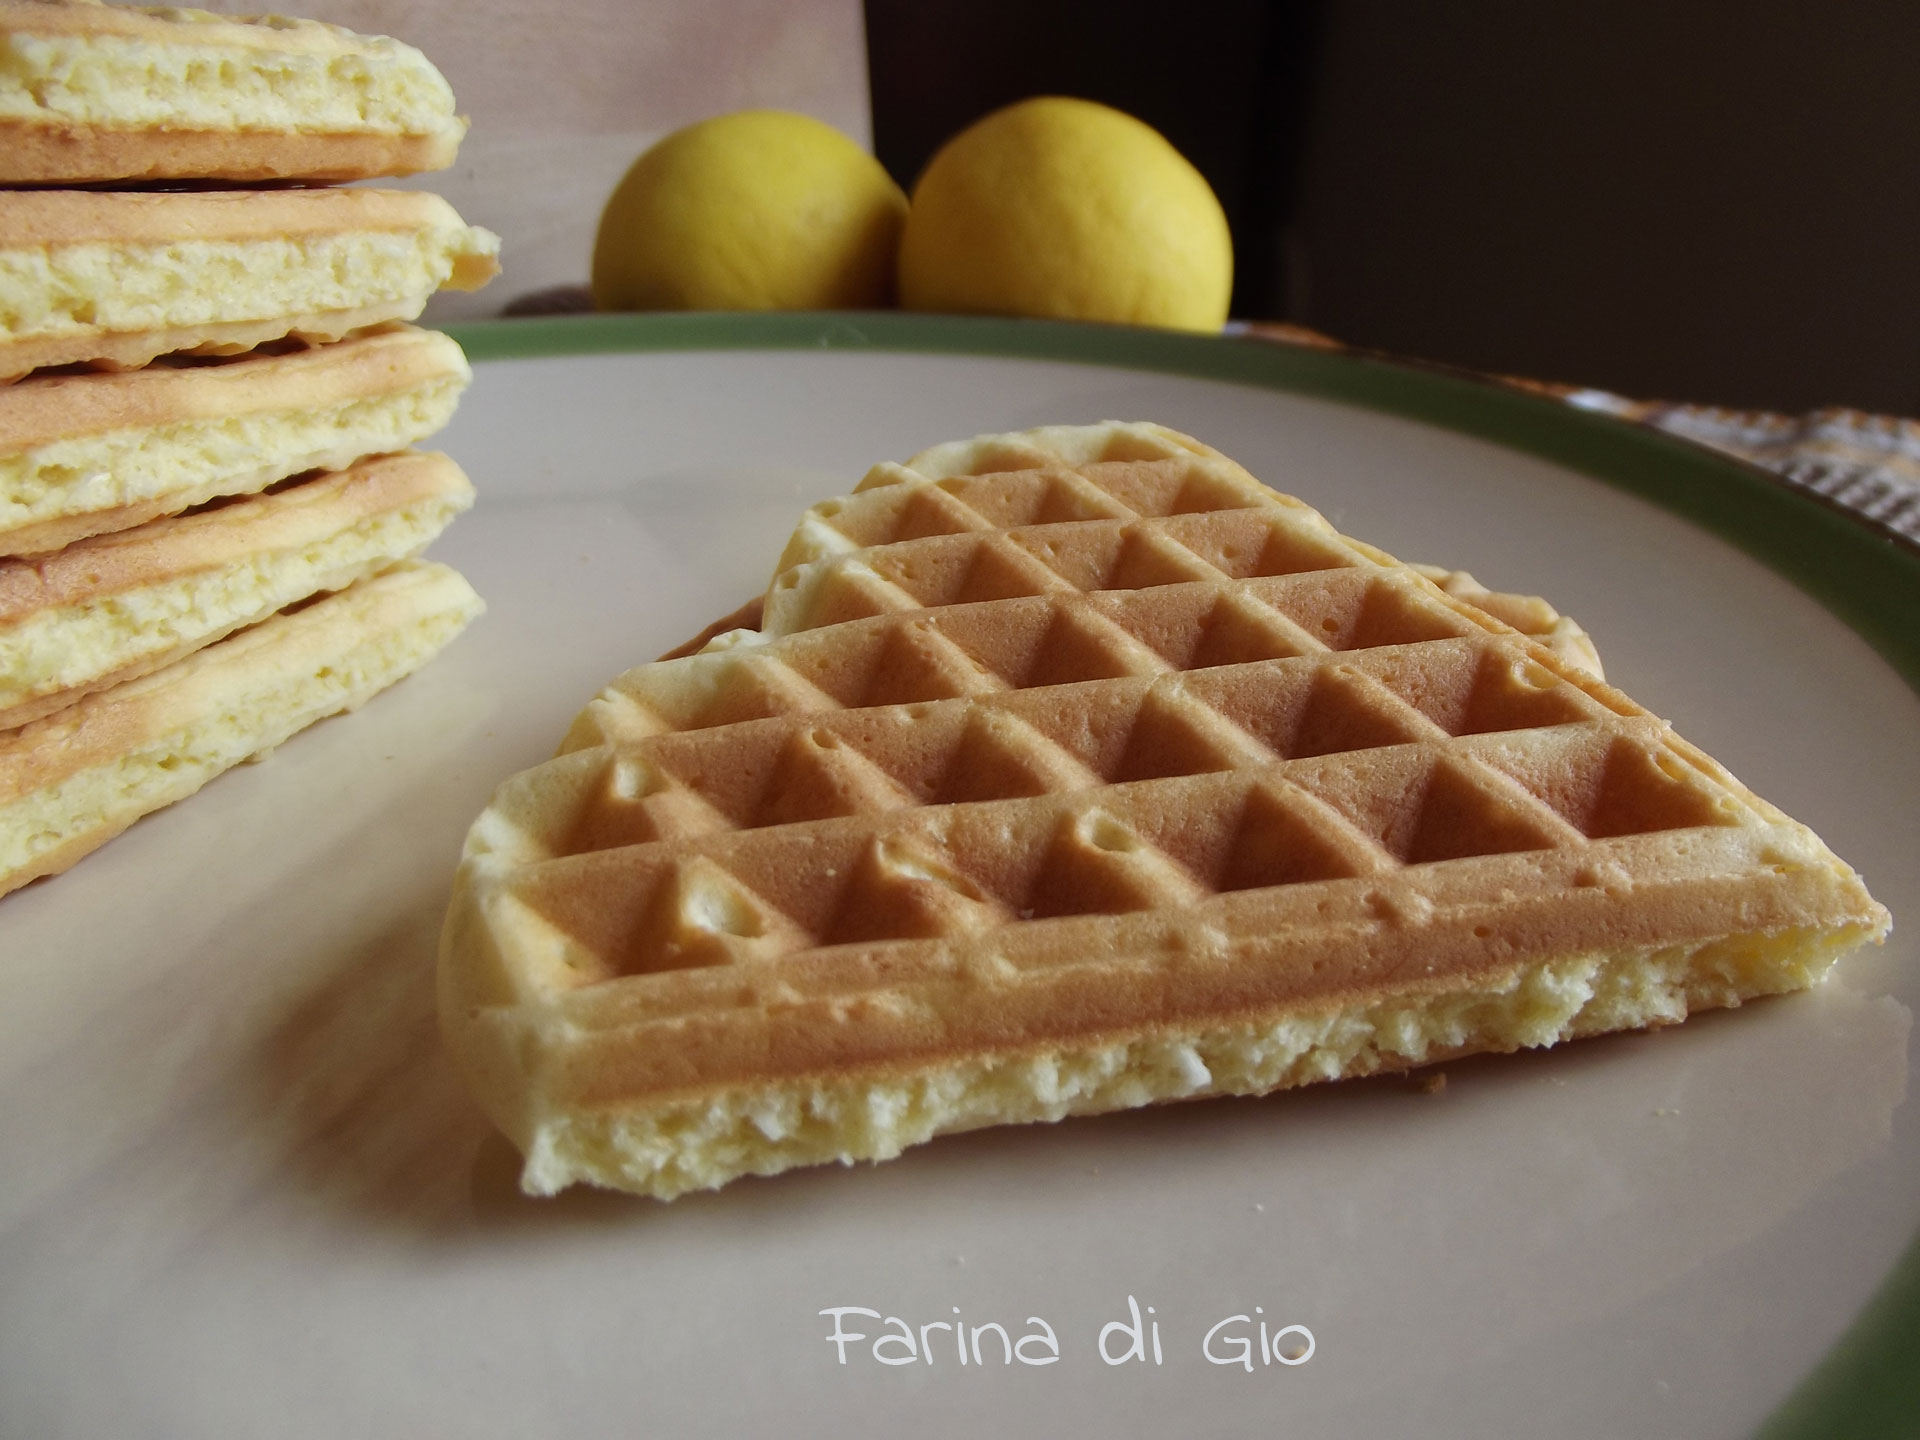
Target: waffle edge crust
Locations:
point(88, 454)
point(114, 279)
point(1071, 771)
point(106, 610)
point(72, 781)
point(94, 93)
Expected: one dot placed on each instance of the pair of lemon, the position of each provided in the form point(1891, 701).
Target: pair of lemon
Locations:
point(1050, 207)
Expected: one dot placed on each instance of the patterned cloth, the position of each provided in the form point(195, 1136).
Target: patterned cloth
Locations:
point(1868, 464)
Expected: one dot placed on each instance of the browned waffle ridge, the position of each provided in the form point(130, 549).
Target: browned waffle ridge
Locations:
point(1075, 770)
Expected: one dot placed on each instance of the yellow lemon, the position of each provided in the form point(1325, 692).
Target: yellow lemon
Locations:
point(758, 210)
point(1067, 208)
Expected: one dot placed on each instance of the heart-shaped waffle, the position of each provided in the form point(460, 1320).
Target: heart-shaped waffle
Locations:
point(1074, 770)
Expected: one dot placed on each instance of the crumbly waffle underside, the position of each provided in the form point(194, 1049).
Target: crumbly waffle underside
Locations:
point(1118, 741)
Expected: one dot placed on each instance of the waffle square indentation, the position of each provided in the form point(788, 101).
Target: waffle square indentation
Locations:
point(1199, 627)
point(1111, 556)
point(1607, 785)
point(1469, 687)
point(1180, 485)
point(1419, 807)
point(962, 570)
point(1246, 544)
point(1031, 497)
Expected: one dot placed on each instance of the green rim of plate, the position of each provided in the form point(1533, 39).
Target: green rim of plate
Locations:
point(1868, 1385)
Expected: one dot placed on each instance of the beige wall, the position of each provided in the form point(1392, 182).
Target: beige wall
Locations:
point(563, 97)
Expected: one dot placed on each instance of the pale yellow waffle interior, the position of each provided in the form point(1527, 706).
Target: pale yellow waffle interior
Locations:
point(186, 70)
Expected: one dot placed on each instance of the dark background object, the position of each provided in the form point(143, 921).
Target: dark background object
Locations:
point(1697, 200)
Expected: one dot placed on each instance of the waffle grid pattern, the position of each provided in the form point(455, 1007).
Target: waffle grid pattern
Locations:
point(1103, 685)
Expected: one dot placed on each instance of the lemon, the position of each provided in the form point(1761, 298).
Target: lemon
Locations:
point(1071, 209)
point(757, 210)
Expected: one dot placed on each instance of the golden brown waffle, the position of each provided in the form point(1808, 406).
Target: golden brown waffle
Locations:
point(1529, 614)
point(1071, 771)
point(114, 279)
point(72, 781)
point(105, 610)
point(95, 92)
point(90, 453)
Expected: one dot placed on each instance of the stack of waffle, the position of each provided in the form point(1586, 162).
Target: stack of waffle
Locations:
point(1074, 770)
point(208, 507)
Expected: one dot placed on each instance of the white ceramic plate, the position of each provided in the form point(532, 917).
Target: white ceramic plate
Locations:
point(243, 1194)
